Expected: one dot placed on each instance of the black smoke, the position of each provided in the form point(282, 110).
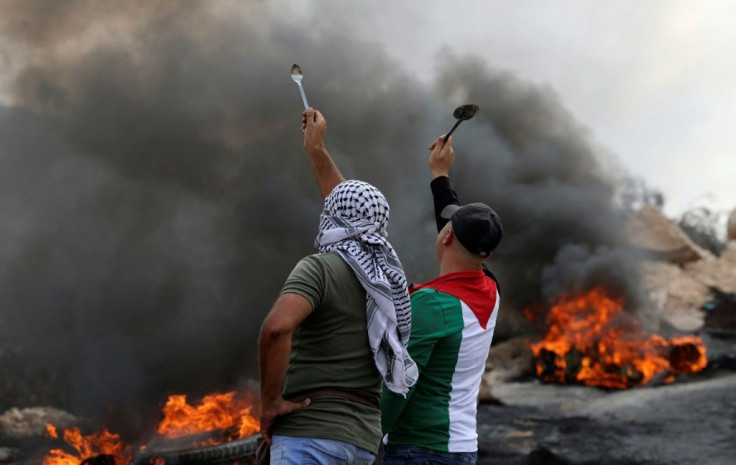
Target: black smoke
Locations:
point(155, 194)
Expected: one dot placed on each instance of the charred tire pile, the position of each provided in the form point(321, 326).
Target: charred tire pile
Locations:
point(239, 450)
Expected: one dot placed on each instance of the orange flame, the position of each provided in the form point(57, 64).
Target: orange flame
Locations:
point(591, 341)
point(102, 442)
point(229, 412)
point(51, 431)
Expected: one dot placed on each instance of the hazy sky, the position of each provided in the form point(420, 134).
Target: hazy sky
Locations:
point(653, 80)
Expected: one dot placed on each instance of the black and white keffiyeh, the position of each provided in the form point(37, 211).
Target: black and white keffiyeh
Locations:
point(353, 224)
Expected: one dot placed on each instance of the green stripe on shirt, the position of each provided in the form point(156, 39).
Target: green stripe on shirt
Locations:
point(423, 418)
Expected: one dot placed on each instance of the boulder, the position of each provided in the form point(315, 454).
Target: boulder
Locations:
point(485, 394)
point(731, 229)
point(721, 312)
point(675, 296)
point(507, 361)
point(652, 232)
point(32, 421)
point(8, 455)
point(510, 360)
point(719, 273)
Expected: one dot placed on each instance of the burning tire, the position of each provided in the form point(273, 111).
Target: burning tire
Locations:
point(238, 450)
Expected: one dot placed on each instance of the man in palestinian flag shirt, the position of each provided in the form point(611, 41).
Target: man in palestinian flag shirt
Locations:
point(453, 318)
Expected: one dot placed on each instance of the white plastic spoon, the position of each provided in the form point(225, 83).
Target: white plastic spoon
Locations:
point(296, 75)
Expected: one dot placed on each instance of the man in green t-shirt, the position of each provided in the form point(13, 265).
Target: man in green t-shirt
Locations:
point(339, 327)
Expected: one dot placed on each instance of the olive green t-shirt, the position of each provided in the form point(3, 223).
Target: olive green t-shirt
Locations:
point(330, 349)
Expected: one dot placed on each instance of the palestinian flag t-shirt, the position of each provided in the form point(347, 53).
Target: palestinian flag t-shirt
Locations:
point(453, 318)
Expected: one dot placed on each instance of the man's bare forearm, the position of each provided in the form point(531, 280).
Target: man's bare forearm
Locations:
point(325, 170)
point(274, 343)
point(274, 349)
point(314, 127)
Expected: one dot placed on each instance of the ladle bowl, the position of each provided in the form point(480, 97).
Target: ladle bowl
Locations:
point(462, 113)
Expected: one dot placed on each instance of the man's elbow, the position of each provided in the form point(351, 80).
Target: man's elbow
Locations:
point(285, 317)
point(276, 328)
point(272, 330)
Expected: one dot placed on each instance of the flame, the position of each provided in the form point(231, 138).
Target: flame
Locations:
point(591, 341)
point(51, 431)
point(98, 443)
point(229, 412)
point(229, 415)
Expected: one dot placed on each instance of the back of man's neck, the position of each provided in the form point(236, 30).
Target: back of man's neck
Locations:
point(447, 268)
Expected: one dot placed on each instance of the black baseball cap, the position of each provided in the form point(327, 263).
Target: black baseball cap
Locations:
point(476, 226)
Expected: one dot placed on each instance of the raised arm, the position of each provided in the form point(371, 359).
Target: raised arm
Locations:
point(325, 171)
point(440, 160)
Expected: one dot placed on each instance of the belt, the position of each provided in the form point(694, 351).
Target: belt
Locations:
point(354, 395)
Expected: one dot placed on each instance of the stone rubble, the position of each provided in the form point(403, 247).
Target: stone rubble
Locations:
point(25, 422)
point(680, 291)
point(662, 239)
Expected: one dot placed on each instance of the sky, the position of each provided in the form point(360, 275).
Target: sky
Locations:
point(653, 81)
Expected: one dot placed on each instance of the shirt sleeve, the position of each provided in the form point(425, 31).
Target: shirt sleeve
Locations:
point(443, 195)
point(307, 279)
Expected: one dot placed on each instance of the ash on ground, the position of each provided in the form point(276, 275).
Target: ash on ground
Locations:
point(690, 422)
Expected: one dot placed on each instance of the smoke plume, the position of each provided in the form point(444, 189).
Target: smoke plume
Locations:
point(155, 192)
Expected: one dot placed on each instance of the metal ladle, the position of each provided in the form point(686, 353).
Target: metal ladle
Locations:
point(297, 76)
point(462, 113)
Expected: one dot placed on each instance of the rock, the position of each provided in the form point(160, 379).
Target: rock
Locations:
point(731, 229)
point(485, 394)
point(32, 421)
point(651, 231)
point(8, 455)
point(676, 296)
point(687, 322)
point(508, 360)
point(721, 312)
point(720, 273)
point(543, 456)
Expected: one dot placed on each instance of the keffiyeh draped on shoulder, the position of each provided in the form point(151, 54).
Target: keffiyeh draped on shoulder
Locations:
point(353, 224)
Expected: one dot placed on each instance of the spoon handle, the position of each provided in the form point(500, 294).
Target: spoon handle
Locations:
point(447, 136)
point(304, 97)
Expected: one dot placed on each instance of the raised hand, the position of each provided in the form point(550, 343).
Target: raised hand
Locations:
point(442, 156)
